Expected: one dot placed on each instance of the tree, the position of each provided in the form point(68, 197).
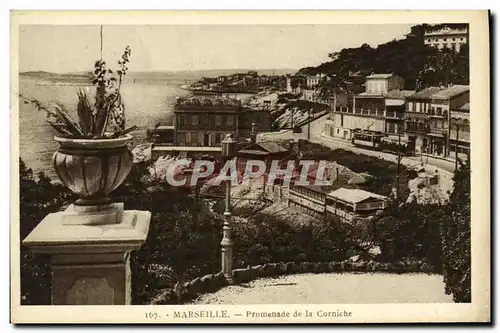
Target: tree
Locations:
point(330, 85)
point(409, 58)
point(456, 235)
point(445, 67)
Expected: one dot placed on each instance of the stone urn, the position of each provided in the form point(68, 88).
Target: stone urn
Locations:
point(93, 168)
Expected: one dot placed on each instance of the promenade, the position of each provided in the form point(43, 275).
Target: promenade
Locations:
point(348, 288)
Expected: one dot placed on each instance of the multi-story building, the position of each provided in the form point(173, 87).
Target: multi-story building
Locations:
point(204, 121)
point(395, 111)
point(452, 37)
point(428, 117)
point(368, 111)
point(460, 130)
point(416, 117)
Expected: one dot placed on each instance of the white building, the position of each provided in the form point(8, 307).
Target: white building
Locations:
point(383, 83)
point(368, 112)
point(313, 81)
point(450, 37)
point(354, 204)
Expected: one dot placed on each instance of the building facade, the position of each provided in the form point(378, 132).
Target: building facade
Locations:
point(460, 131)
point(204, 121)
point(450, 37)
point(395, 101)
point(428, 115)
point(368, 111)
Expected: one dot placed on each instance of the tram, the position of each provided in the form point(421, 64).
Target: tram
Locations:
point(367, 139)
point(390, 144)
point(380, 141)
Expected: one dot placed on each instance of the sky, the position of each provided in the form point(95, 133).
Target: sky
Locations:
point(70, 48)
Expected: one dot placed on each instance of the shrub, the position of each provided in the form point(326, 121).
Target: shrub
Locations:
point(38, 197)
point(456, 235)
point(410, 231)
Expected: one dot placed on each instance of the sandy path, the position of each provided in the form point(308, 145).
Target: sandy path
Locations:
point(334, 289)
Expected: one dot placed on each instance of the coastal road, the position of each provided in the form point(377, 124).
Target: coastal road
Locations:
point(317, 136)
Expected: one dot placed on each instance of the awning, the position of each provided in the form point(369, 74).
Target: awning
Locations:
point(394, 102)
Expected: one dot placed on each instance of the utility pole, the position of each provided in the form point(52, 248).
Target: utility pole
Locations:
point(309, 124)
point(399, 162)
point(456, 148)
point(421, 156)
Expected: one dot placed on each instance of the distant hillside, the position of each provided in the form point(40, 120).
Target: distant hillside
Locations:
point(80, 77)
point(419, 64)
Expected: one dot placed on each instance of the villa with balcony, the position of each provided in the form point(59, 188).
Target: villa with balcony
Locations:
point(368, 111)
point(428, 117)
point(395, 111)
point(460, 130)
point(450, 36)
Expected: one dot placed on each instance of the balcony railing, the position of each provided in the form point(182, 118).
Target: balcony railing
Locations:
point(394, 114)
point(436, 130)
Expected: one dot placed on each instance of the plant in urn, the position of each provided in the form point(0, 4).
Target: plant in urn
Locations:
point(93, 158)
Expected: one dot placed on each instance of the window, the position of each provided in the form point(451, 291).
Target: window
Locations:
point(341, 120)
point(217, 138)
point(445, 39)
point(453, 39)
point(194, 120)
point(182, 121)
point(439, 111)
point(218, 120)
point(188, 138)
point(338, 131)
point(230, 121)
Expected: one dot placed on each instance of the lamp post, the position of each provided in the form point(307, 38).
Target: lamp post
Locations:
point(228, 153)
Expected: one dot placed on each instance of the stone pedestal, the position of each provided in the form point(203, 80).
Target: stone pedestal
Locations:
point(90, 262)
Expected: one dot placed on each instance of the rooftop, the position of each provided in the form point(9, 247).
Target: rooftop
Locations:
point(380, 76)
point(465, 107)
point(451, 92)
point(354, 195)
point(399, 94)
point(426, 93)
point(262, 148)
point(208, 101)
point(368, 94)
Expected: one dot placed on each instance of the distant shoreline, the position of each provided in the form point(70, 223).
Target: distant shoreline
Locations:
point(229, 91)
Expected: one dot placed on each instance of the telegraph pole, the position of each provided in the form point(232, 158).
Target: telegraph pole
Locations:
point(456, 148)
point(399, 162)
point(309, 124)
